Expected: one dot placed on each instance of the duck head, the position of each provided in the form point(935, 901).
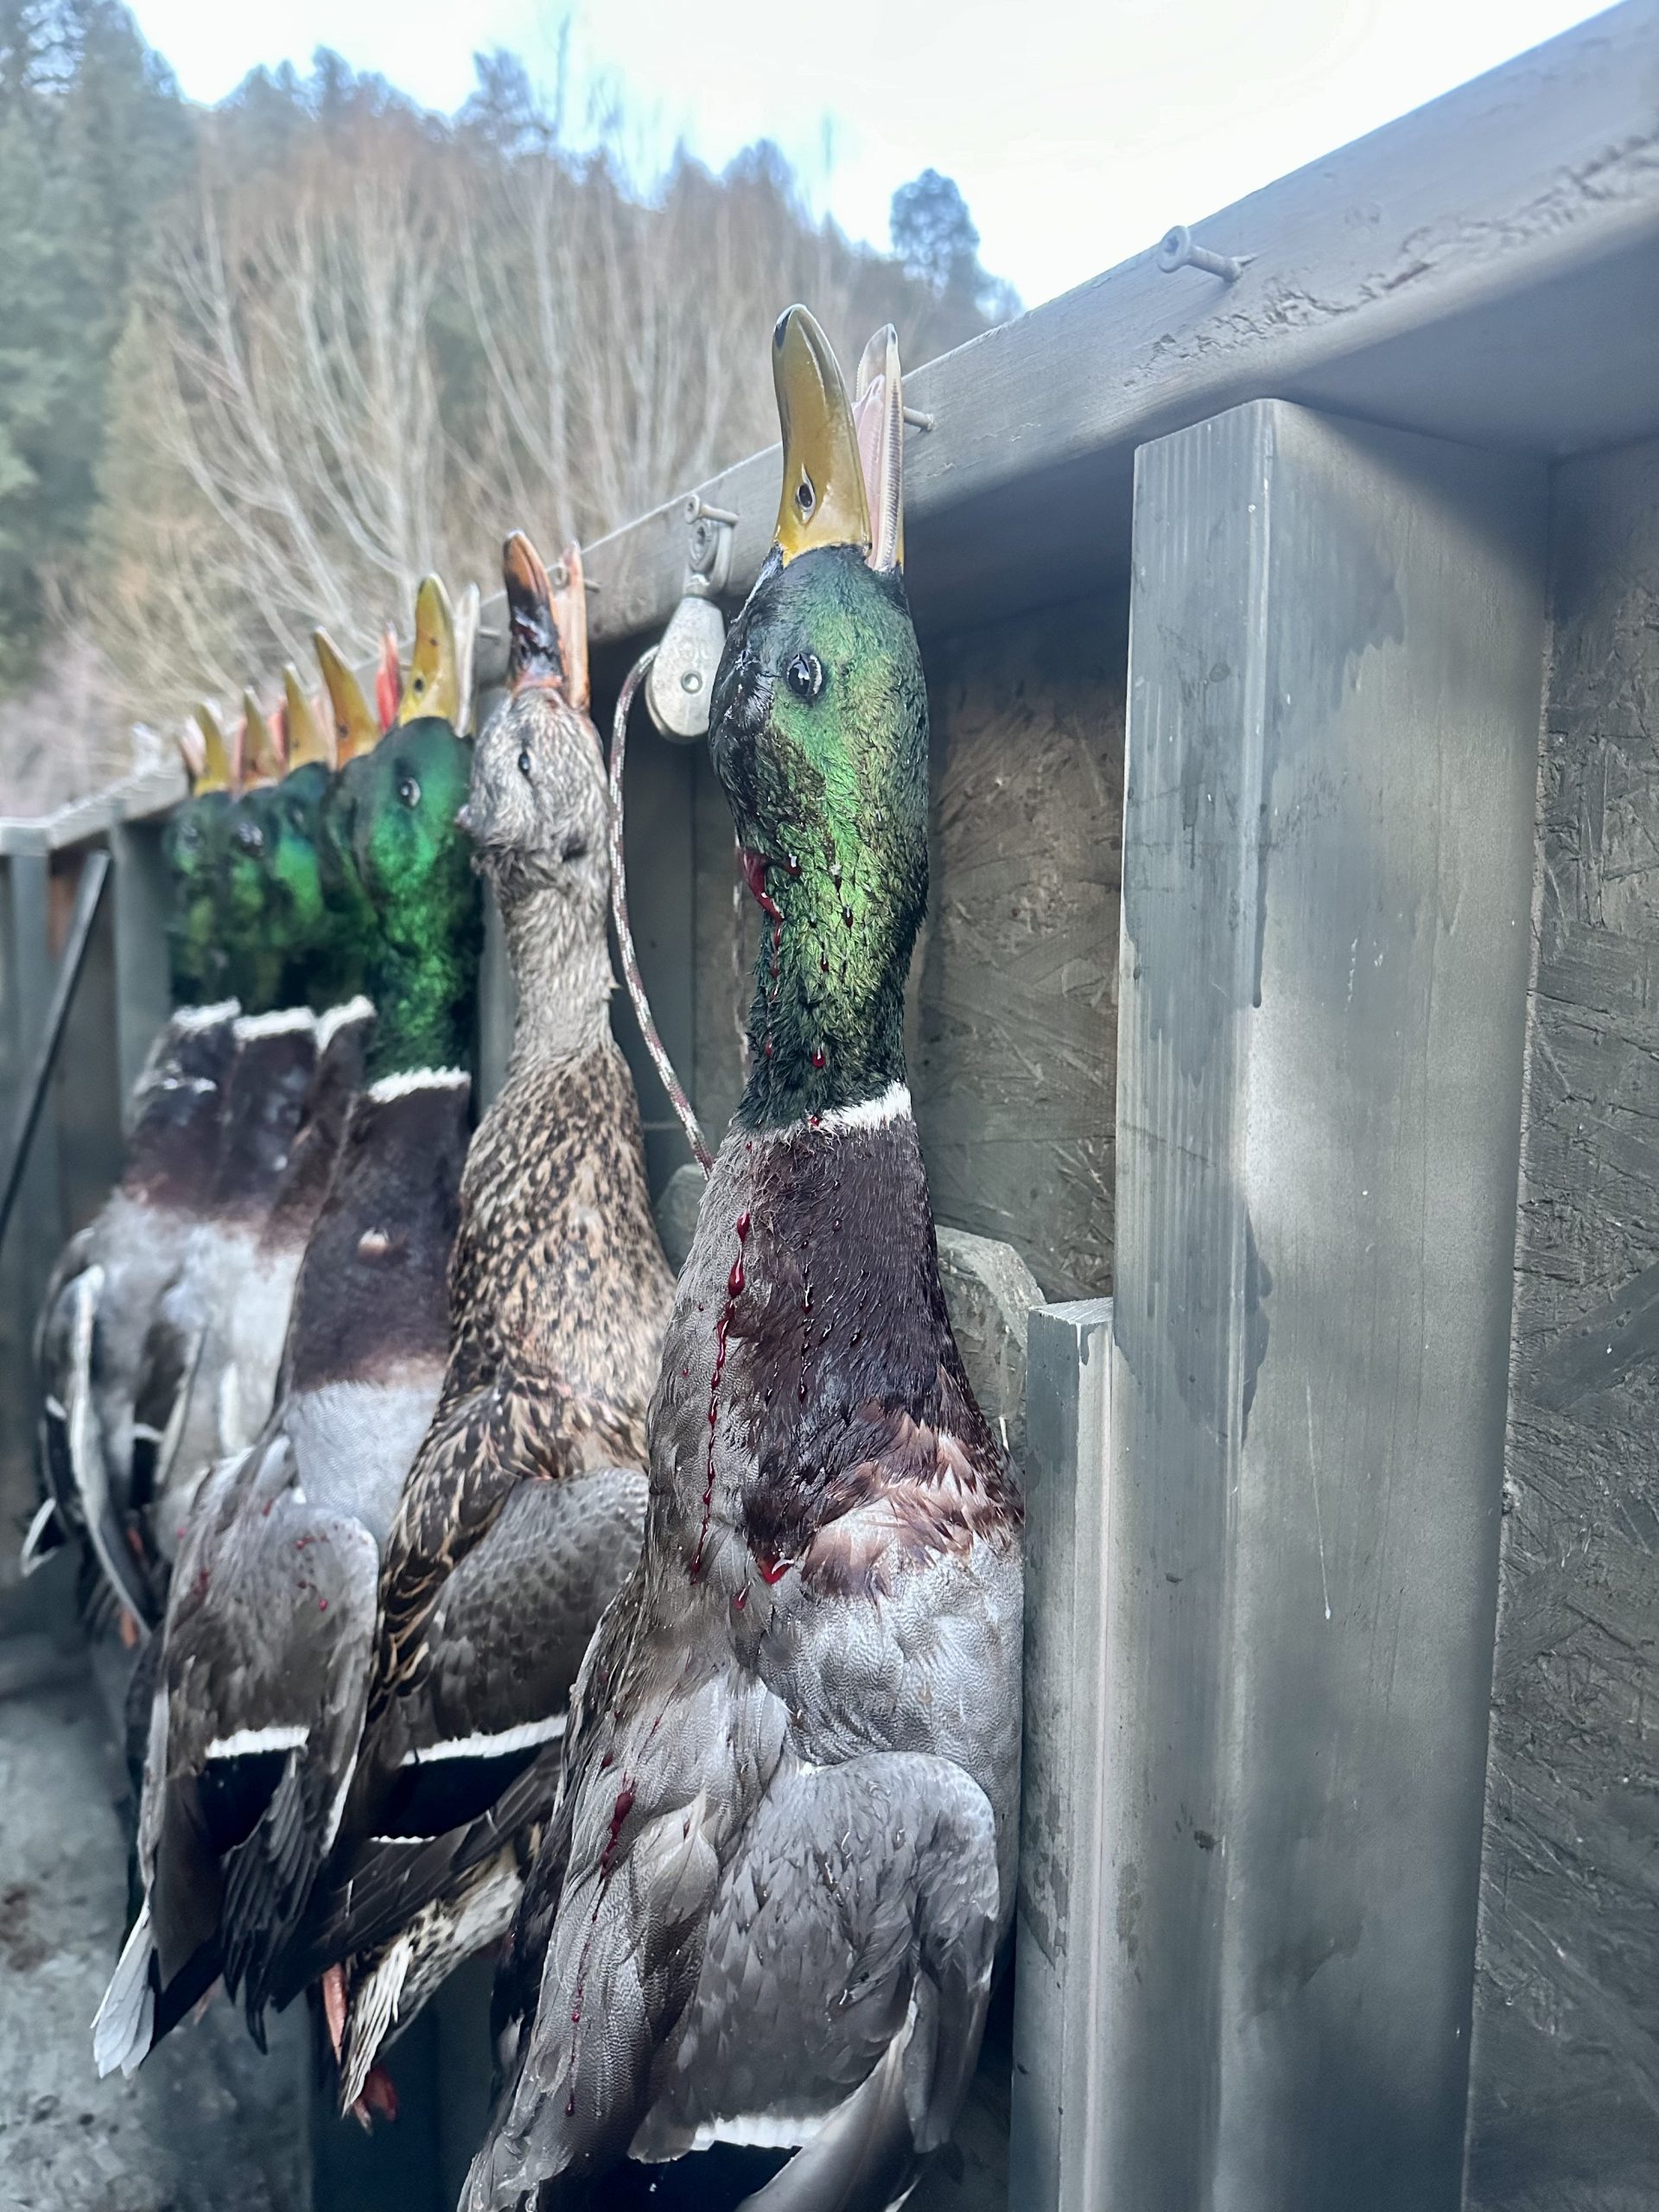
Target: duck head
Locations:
point(538, 813)
point(390, 825)
point(193, 850)
point(273, 890)
point(818, 735)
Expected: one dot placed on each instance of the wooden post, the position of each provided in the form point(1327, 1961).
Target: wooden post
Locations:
point(142, 896)
point(26, 978)
point(1057, 2131)
point(1335, 665)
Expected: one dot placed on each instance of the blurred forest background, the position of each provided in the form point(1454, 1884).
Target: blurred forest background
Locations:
point(263, 364)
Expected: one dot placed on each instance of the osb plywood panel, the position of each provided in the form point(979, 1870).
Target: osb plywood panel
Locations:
point(1565, 2092)
point(1012, 1018)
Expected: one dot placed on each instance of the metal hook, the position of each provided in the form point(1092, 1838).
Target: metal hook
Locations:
point(680, 686)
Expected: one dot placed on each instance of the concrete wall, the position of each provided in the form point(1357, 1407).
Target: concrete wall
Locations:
point(1565, 2092)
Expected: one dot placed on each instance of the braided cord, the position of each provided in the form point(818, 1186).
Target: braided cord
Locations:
point(631, 975)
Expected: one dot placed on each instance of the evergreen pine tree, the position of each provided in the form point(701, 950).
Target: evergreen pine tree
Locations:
point(92, 132)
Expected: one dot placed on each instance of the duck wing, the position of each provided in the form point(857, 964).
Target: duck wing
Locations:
point(167, 1376)
point(466, 1754)
point(489, 1677)
point(57, 1517)
point(263, 1679)
point(680, 1996)
point(76, 1471)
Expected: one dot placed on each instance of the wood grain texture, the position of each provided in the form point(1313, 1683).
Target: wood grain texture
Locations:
point(1565, 2091)
point(1012, 1033)
point(1335, 678)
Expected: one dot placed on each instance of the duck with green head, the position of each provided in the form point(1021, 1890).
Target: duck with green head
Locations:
point(764, 1920)
point(340, 936)
point(270, 1614)
point(209, 1363)
point(106, 1285)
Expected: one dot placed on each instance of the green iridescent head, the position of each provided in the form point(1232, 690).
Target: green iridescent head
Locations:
point(270, 872)
point(315, 905)
point(391, 816)
point(193, 848)
point(819, 737)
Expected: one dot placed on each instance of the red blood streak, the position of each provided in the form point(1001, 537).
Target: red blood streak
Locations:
point(774, 1570)
point(733, 1292)
point(619, 1811)
point(754, 875)
point(817, 1056)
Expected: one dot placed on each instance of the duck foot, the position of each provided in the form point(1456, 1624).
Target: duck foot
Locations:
point(378, 2099)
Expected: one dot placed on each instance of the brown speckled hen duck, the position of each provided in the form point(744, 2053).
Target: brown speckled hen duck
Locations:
point(522, 1512)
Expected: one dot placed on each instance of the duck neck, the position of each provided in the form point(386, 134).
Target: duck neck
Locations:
point(423, 998)
point(257, 974)
point(197, 968)
point(826, 1029)
point(561, 963)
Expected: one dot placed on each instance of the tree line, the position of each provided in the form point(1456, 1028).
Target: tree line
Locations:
point(262, 365)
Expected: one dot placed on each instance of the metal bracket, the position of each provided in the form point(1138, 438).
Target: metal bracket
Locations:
point(681, 682)
point(1177, 250)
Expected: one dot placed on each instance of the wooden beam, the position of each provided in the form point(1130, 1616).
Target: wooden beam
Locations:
point(1525, 179)
point(1336, 660)
point(27, 973)
point(1057, 2133)
point(143, 998)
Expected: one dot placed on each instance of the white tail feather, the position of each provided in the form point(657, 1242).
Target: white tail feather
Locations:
point(124, 2022)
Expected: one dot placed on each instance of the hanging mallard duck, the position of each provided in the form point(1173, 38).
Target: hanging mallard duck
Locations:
point(191, 1402)
point(313, 876)
point(105, 1287)
point(784, 1850)
point(522, 1512)
point(258, 1699)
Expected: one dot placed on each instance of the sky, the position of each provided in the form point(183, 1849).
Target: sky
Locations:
point(1078, 132)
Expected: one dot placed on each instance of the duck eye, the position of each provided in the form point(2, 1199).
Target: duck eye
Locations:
point(805, 675)
point(806, 496)
point(251, 837)
point(523, 763)
point(408, 790)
